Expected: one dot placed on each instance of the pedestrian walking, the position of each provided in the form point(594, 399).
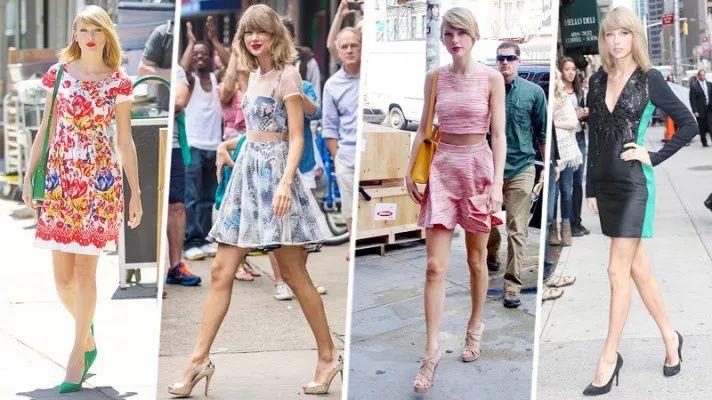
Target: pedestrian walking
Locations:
point(266, 206)
point(465, 179)
point(83, 206)
point(525, 104)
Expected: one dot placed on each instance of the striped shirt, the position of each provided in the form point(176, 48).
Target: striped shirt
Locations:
point(462, 103)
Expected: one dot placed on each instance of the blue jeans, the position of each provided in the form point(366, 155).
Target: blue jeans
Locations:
point(577, 197)
point(550, 207)
point(552, 196)
point(565, 187)
point(200, 184)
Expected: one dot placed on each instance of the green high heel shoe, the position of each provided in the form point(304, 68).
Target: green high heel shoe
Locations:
point(90, 356)
point(71, 387)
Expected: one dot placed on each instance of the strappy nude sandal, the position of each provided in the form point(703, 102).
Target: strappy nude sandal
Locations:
point(551, 293)
point(426, 375)
point(558, 281)
point(184, 389)
point(473, 344)
point(315, 387)
point(250, 269)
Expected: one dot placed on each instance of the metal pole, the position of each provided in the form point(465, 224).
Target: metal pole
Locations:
point(432, 35)
point(676, 21)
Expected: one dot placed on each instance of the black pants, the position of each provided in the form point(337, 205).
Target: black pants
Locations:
point(577, 196)
point(704, 122)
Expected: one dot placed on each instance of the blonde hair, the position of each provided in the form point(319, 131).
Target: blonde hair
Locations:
point(624, 18)
point(461, 18)
point(262, 18)
point(94, 15)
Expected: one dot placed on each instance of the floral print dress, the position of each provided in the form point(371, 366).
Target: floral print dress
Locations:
point(83, 205)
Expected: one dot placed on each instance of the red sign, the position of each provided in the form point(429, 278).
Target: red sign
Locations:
point(668, 19)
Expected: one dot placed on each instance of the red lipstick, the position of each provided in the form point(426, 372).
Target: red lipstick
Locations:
point(91, 44)
point(256, 46)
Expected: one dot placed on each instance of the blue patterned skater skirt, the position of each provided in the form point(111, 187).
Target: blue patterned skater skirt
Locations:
point(246, 218)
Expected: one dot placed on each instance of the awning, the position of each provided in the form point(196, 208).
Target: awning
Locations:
point(579, 21)
point(190, 8)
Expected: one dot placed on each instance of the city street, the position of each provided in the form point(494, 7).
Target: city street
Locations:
point(36, 332)
point(264, 349)
point(574, 326)
point(388, 328)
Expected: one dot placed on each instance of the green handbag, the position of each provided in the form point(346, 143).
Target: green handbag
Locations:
point(38, 179)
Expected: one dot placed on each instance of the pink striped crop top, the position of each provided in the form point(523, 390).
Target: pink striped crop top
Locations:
point(462, 103)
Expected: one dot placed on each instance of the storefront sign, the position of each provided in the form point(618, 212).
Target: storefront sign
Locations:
point(579, 23)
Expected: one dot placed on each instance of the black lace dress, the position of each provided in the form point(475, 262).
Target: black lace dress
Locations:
point(625, 190)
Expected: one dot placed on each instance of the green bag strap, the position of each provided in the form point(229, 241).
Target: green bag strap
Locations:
point(183, 138)
point(240, 142)
point(60, 70)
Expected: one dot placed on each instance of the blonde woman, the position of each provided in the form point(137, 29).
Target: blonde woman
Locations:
point(620, 184)
point(466, 178)
point(82, 211)
point(266, 205)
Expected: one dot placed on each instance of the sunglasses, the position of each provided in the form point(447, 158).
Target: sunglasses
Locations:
point(508, 57)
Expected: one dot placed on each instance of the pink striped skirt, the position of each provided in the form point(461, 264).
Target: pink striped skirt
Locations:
point(458, 189)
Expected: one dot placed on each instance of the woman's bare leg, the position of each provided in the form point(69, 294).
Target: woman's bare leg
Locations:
point(476, 244)
point(216, 305)
point(652, 298)
point(84, 306)
point(437, 245)
point(292, 264)
point(619, 269)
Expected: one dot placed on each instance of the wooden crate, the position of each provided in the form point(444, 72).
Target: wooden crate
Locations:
point(406, 212)
point(379, 243)
point(384, 153)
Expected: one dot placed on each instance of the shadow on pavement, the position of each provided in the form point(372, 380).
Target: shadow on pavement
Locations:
point(86, 393)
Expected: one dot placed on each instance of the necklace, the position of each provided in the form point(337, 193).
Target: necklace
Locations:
point(268, 72)
point(465, 75)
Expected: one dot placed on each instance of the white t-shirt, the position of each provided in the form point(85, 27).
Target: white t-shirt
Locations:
point(203, 116)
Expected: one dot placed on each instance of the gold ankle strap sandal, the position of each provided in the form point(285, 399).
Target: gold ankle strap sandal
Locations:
point(473, 344)
point(426, 376)
point(315, 387)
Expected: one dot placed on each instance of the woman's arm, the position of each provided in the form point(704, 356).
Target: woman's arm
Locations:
point(592, 152)
point(499, 138)
point(662, 96)
point(312, 109)
point(291, 90)
point(413, 192)
point(36, 152)
point(129, 161)
point(223, 156)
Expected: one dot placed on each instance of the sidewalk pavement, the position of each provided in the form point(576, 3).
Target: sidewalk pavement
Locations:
point(37, 333)
point(388, 328)
point(574, 327)
point(264, 348)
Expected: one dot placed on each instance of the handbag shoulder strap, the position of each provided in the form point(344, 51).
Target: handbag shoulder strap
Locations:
point(431, 110)
point(60, 70)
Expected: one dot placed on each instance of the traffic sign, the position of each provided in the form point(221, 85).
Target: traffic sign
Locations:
point(668, 19)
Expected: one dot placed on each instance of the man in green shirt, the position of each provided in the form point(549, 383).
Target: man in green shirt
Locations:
point(525, 106)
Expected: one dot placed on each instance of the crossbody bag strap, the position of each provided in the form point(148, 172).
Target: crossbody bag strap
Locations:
point(431, 109)
point(48, 128)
